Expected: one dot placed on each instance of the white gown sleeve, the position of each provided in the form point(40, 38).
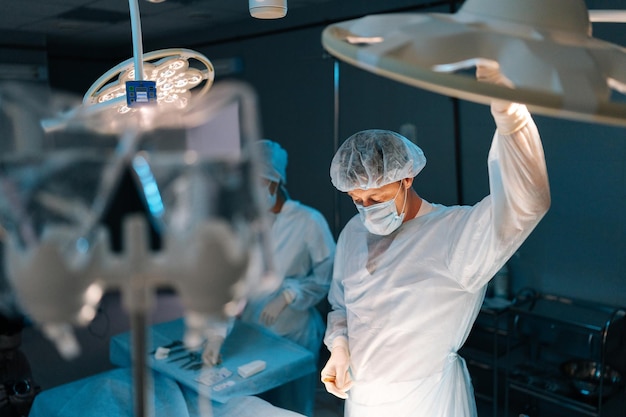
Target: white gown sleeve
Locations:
point(337, 323)
point(518, 175)
point(309, 290)
point(493, 229)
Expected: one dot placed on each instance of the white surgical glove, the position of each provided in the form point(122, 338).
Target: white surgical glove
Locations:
point(273, 308)
point(336, 373)
point(211, 354)
point(509, 117)
point(209, 331)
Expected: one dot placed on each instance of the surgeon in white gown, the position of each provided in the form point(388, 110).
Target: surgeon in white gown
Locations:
point(410, 275)
point(303, 248)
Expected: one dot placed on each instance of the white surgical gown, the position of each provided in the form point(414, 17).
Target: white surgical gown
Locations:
point(304, 249)
point(406, 302)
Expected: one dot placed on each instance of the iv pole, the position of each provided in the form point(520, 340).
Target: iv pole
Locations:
point(138, 292)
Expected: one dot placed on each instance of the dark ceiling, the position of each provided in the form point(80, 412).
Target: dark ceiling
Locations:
point(101, 29)
point(105, 24)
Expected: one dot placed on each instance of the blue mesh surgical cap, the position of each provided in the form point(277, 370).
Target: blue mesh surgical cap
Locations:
point(373, 158)
point(272, 161)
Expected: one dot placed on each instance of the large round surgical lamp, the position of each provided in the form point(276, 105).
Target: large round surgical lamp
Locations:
point(268, 9)
point(544, 47)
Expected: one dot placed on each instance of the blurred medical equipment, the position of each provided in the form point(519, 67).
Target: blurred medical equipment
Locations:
point(18, 388)
point(65, 160)
point(267, 9)
point(205, 208)
point(544, 47)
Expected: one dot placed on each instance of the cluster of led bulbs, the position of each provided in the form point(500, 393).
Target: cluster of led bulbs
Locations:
point(173, 76)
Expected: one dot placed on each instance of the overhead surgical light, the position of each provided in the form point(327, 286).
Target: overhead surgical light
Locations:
point(268, 9)
point(544, 47)
point(173, 76)
point(163, 77)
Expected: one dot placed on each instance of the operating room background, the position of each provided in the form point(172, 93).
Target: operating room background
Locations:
point(576, 251)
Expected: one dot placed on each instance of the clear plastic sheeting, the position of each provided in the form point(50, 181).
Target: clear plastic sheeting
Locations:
point(62, 161)
point(544, 47)
point(55, 187)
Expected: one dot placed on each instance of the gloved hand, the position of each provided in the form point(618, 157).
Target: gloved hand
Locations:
point(273, 309)
point(211, 354)
point(336, 374)
point(509, 117)
point(209, 331)
point(490, 73)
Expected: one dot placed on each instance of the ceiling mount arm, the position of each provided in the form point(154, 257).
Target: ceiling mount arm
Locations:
point(135, 23)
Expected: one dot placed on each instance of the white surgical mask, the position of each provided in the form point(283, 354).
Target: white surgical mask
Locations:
point(270, 199)
point(382, 218)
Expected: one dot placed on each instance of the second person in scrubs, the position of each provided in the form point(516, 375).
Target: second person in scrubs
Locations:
point(303, 248)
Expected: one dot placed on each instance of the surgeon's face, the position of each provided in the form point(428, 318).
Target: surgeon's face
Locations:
point(372, 196)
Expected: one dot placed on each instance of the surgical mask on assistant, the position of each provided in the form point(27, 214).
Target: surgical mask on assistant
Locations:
point(382, 218)
point(270, 199)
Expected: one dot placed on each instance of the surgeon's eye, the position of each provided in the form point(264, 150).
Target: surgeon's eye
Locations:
point(368, 202)
point(376, 199)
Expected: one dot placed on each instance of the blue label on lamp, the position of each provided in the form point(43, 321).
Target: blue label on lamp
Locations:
point(139, 93)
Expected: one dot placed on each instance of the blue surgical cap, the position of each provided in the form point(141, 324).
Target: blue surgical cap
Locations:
point(373, 158)
point(273, 161)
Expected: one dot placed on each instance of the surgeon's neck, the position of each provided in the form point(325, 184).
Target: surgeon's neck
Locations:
point(414, 202)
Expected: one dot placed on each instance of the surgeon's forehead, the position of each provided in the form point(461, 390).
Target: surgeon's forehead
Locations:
point(373, 192)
